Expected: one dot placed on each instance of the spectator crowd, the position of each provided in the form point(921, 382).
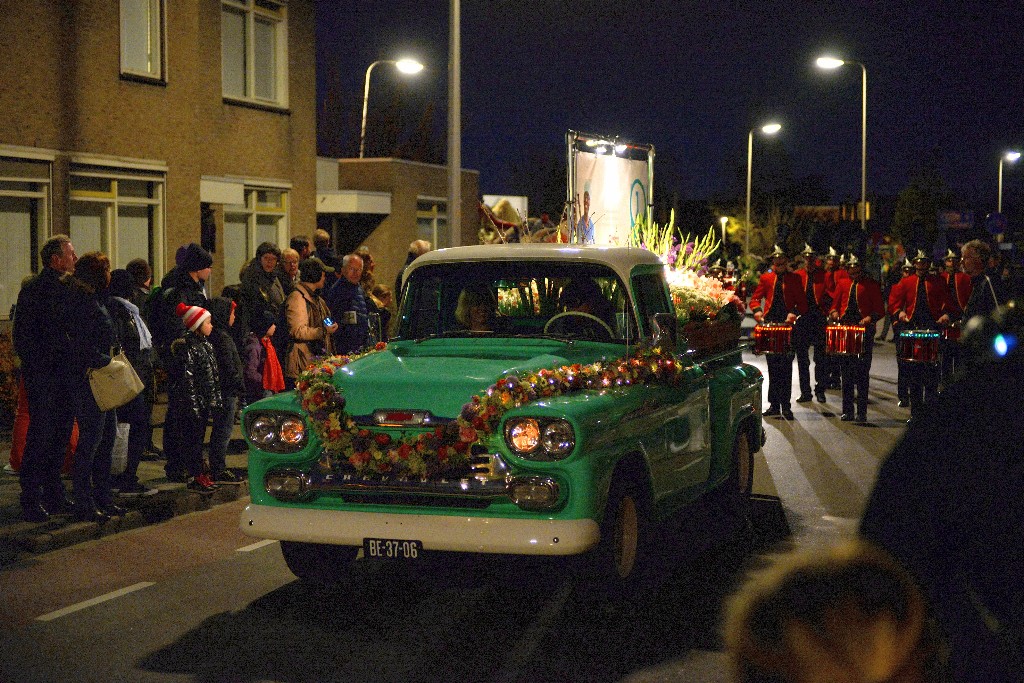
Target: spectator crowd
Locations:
point(212, 355)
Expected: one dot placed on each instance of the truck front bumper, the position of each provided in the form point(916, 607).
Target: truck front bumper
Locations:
point(437, 532)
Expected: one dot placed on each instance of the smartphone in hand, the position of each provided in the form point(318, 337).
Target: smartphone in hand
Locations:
point(328, 321)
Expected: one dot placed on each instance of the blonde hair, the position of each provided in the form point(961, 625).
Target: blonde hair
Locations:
point(849, 614)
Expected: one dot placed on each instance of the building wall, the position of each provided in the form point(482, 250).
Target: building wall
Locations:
point(406, 181)
point(62, 90)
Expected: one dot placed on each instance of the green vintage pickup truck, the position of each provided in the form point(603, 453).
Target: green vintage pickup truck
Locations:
point(536, 401)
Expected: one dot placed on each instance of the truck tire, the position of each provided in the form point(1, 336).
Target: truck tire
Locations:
point(738, 490)
point(620, 561)
point(740, 484)
point(317, 563)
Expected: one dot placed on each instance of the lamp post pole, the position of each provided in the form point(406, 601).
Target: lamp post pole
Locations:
point(366, 98)
point(1011, 157)
point(750, 161)
point(455, 122)
point(768, 129)
point(405, 66)
point(833, 63)
point(863, 149)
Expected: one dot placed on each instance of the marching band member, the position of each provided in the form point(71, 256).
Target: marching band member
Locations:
point(835, 271)
point(901, 376)
point(959, 284)
point(809, 329)
point(783, 300)
point(858, 301)
point(920, 302)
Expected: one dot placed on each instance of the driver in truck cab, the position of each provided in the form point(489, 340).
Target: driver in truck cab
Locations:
point(582, 295)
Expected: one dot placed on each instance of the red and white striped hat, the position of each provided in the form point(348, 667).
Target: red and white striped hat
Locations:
point(192, 316)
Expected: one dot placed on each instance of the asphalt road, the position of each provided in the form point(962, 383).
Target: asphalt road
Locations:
point(193, 599)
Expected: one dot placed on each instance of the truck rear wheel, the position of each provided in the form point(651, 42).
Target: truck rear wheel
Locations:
point(740, 484)
point(316, 562)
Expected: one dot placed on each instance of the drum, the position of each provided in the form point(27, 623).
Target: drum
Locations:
point(844, 340)
point(919, 346)
point(773, 338)
point(951, 333)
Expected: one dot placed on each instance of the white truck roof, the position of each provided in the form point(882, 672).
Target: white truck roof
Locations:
point(620, 259)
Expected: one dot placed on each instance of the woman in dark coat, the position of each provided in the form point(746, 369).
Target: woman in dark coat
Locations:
point(137, 343)
point(93, 341)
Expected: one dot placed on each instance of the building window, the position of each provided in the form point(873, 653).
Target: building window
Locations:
point(432, 221)
point(24, 219)
point(263, 218)
point(120, 214)
point(254, 51)
point(142, 38)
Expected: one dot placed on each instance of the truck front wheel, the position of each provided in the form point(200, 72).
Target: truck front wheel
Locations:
point(620, 558)
point(316, 562)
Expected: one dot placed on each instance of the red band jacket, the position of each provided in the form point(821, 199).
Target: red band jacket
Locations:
point(903, 296)
point(792, 292)
point(868, 297)
point(960, 291)
point(822, 293)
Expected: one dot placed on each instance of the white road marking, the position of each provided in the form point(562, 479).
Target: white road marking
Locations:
point(94, 601)
point(256, 546)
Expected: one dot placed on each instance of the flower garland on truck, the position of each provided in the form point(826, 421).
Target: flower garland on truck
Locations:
point(448, 448)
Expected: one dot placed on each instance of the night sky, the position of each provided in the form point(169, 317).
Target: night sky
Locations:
point(944, 79)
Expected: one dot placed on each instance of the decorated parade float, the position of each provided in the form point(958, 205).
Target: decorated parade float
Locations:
point(562, 389)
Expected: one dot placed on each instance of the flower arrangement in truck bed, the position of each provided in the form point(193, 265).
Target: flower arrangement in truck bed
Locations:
point(697, 297)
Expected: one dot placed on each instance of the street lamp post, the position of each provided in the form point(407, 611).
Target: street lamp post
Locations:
point(833, 63)
point(768, 129)
point(1011, 157)
point(405, 66)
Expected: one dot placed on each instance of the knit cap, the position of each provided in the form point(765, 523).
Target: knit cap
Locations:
point(192, 316)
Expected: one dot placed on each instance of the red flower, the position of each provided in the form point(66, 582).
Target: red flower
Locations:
point(363, 433)
point(404, 450)
point(382, 439)
point(461, 446)
point(442, 453)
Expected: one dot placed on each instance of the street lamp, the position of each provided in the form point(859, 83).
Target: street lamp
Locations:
point(405, 66)
point(767, 129)
point(1011, 157)
point(833, 63)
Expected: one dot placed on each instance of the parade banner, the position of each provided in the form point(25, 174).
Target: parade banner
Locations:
point(610, 185)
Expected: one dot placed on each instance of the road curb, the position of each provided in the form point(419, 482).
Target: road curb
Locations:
point(20, 540)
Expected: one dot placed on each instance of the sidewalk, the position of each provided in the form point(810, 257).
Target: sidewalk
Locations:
point(20, 539)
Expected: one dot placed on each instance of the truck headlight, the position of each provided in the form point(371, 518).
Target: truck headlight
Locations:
point(276, 432)
point(540, 438)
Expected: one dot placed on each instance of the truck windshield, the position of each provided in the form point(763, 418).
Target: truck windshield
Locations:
point(497, 298)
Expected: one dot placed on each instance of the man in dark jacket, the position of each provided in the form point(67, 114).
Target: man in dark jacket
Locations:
point(43, 343)
point(947, 504)
point(185, 284)
point(348, 307)
point(417, 248)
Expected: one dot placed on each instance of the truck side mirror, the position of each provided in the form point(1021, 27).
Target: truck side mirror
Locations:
point(665, 331)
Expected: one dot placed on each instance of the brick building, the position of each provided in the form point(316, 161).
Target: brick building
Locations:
point(136, 126)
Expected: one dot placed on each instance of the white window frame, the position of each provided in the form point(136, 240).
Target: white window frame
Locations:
point(38, 187)
point(274, 13)
point(112, 200)
point(437, 214)
point(252, 211)
point(155, 33)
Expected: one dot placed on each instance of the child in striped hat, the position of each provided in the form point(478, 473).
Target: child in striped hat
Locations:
point(194, 390)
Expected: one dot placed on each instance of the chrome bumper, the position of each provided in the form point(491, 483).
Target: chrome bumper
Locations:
point(437, 532)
